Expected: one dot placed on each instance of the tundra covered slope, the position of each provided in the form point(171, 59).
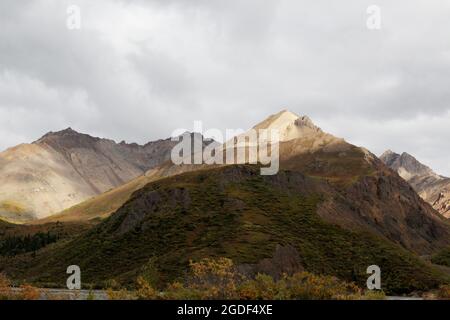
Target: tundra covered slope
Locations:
point(231, 212)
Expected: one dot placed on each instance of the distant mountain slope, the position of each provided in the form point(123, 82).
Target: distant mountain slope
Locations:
point(433, 188)
point(101, 206)
point(13, 212)
point(65, 168)
point(234, 212)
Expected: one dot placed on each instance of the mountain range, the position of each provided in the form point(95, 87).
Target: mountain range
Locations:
point(335, 206)
point(65, 168)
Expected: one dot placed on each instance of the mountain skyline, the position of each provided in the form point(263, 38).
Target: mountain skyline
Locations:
point(78, 148)
point(139, 141)
point(176, 62)
point(121, 141)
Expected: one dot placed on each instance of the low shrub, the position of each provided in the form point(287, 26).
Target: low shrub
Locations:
point(24, 292)
point(444, 292)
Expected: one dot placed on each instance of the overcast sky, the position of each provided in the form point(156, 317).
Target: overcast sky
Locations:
point(137, 70)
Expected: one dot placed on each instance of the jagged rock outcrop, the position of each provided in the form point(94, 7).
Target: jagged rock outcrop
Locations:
point(432, 187)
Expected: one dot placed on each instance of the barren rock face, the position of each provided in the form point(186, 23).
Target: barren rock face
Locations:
point(433, 188)
point(65, 168)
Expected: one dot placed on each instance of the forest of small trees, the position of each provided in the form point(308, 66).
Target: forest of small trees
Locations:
point(14, 245)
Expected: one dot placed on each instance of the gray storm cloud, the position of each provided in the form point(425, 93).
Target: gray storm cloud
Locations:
point(137, 70)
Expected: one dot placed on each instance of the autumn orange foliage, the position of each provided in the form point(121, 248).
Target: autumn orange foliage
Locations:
point(24, 292)
point(219, 279)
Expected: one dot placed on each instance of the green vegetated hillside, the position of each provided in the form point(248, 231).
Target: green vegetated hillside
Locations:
point(231, 212)
point(442, 257)
point(68, 229)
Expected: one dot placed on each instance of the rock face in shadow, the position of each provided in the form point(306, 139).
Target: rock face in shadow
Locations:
point(387, 205)
point(150, 203)
point(285, 260)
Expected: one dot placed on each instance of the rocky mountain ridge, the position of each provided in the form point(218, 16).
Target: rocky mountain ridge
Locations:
point(432, 187)
point(380, 200)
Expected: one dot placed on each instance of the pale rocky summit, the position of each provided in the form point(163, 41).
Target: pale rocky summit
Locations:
point(291, 126)
point(64, 168)
point(432, 187)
